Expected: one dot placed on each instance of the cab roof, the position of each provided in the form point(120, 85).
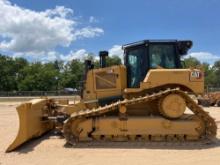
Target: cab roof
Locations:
point(182, 45)
point(142, 42)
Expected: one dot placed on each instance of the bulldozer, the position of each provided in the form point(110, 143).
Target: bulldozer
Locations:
point(146, 99)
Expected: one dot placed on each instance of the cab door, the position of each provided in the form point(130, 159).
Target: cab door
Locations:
point(136, 63)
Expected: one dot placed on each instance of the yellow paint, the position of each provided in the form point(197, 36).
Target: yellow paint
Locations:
point(30, 122)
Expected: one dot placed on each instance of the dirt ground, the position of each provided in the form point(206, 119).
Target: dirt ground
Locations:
point(51, 149)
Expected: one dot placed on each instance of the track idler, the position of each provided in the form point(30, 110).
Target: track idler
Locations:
point(172, 106)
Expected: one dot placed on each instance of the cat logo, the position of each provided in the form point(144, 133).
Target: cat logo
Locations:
point(196, 74)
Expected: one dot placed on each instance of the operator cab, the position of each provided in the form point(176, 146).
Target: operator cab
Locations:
point(141, 56)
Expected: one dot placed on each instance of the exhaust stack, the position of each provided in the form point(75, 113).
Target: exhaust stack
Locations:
point(88, 66)
point(102, 56)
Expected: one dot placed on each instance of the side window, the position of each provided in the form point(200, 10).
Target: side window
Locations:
point(162, 55)
point(134, 69)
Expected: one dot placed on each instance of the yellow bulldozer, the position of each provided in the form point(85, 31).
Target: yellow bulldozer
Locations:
point(146, 99)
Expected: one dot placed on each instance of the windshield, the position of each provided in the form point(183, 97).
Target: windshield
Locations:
point(162, 56)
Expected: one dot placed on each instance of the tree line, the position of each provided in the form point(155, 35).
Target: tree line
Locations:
point(17, 74)
point(211, 72)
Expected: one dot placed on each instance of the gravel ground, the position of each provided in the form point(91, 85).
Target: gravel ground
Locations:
point(51, 149)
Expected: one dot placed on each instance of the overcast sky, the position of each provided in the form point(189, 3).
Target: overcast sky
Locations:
point(45, 30)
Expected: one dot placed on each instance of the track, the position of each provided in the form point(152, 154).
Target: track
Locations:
point(72, 133)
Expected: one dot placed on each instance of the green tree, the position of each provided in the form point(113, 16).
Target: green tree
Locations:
point(110, 61)
point(72, 74)
point(209, 74)
point(38, 77)
point(191, 62)
point(113, 60)
point(10, 69)
point(216, 69)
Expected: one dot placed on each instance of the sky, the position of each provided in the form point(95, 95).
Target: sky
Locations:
point(46, 30)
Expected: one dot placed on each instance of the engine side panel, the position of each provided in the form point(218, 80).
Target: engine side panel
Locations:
point(105, 82)
point(190, 78)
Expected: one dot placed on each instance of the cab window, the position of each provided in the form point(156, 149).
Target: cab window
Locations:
point(162, 56)
point(135, 66)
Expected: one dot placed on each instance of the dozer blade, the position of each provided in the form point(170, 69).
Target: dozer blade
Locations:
point(31, 124)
